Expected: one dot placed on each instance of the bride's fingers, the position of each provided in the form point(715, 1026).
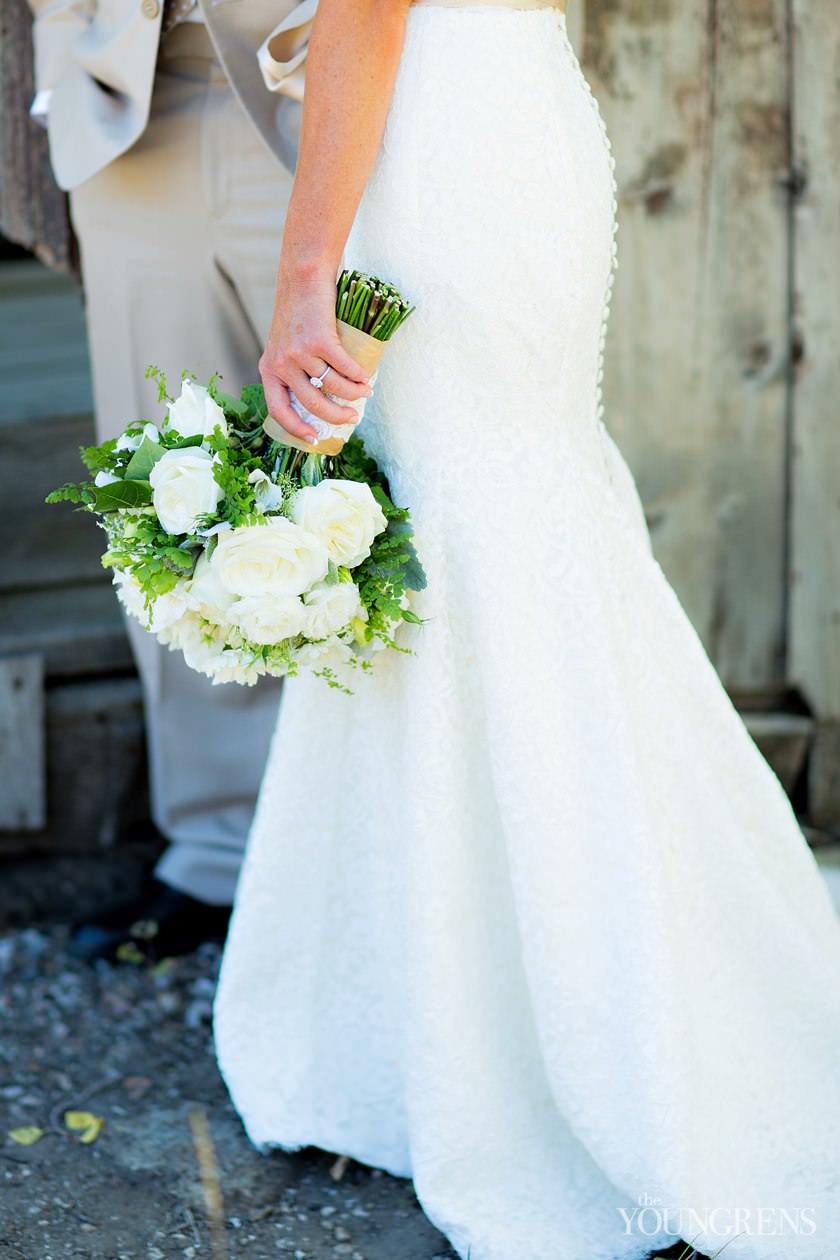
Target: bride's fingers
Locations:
point(315, 400)
point(337, 384)
point(345, 365)
point(280, 408)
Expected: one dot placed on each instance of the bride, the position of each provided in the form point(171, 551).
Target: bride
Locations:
point(527, 919)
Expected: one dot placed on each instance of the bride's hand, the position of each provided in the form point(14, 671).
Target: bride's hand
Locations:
point(302, 342)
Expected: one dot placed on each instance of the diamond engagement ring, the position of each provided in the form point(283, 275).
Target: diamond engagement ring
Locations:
point(317, 382)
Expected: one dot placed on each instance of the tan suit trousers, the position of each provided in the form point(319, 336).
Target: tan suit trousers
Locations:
point(179, 240)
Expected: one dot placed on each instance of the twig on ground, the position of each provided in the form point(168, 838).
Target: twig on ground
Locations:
point(210, 1180)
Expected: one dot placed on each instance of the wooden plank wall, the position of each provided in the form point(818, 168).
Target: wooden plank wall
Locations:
point(694, 93)
point(815, 522)
point(814, 625)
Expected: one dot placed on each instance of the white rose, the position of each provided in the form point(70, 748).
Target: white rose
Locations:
point(129, 441)
point(104, 478)
point(276, 558)
point(205, 593)
point(344, 515)
point(269, 497)
point(330, 608)
point(184, 488)
point(269, 619)
point(195, 413)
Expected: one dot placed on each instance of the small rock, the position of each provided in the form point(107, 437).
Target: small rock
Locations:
point(87, 1228)
point(342, 1234)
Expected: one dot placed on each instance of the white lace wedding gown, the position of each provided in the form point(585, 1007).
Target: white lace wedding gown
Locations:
point(528, 918)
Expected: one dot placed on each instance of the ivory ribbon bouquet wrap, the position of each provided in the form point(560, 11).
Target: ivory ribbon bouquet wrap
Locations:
point(240, 550)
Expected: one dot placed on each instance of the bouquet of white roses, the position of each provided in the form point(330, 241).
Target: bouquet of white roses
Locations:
point(250, 556)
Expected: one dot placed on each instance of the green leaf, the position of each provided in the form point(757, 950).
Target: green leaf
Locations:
point(123, 494)
point(415, 574)
point(233, 405)
point(143, 460)
point(382, 498)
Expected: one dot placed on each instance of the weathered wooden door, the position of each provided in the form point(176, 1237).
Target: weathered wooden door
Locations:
point(724, 356)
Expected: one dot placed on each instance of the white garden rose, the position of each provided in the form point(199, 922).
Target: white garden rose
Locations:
point(195, 413)
point(343, 514)
point(184, 488)
point(104, 478)
point(268, 496)
point(206, 594)
point(269, 619)
point(277, 558)
point(129, 441)
point(330, 608)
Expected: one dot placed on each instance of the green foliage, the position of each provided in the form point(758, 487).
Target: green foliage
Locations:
point(99, 458)
point(155, 374)
point(71, 493)
point(143, 460)
point(122, 494)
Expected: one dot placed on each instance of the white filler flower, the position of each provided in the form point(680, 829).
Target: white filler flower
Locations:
point(344, 515)
point(277, 558)
point(166, 609)
point(184, 488)
point(129, 441)
point(195, 413)
point(268, 496)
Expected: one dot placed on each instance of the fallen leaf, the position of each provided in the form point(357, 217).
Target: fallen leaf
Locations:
point(85, 1123)
point(26, 1134)
point(127, 952)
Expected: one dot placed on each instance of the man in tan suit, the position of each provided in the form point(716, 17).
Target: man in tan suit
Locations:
point(178, 164)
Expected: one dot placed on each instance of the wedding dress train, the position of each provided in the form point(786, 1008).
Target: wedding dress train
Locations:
point(528, 918)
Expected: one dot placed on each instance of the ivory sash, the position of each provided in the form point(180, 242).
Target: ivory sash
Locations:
point(282, 56)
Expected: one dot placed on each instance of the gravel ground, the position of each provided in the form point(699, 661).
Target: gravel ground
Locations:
point(131, 1046)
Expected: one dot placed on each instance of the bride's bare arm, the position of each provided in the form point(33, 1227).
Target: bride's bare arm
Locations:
point(352, 64)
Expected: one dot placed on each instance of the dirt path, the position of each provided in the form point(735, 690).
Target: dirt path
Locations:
point(132, 1046)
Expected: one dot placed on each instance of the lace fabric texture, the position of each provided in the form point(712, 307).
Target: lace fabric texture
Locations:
point(528, 918)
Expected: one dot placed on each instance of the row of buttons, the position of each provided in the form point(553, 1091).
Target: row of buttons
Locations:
point(605, 315)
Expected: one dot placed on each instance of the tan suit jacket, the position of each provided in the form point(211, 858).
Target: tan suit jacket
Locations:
point(98, 58)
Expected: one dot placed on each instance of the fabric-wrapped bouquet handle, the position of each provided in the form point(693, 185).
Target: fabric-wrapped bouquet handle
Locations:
point(368, 311)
